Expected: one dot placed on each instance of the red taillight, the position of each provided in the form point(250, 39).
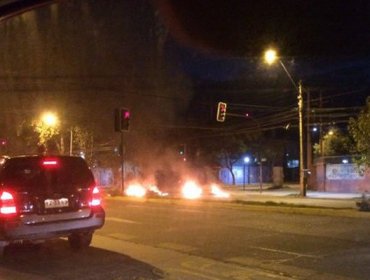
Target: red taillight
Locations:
point(7, 206)
point(96, 198)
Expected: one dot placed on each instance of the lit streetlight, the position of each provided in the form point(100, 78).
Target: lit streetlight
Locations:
point(50, 119)
point(271, 57)
point(247, 160)
point(47, 126)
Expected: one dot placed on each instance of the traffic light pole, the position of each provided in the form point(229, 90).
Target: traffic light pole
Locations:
point(122, 166)
point(121, 124)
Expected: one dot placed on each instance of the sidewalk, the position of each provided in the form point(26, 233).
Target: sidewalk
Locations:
point(291, 195)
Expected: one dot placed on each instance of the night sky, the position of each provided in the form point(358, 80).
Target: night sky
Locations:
point(296, 27)
point(323, 43)
point(211, 52)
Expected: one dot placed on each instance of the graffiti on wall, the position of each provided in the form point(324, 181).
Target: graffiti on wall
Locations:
point(344, 172)
point(103, 176)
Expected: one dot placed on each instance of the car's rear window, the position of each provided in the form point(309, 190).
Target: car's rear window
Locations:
point(36, 172)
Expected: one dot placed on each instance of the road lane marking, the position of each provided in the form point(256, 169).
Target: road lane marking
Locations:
point(121, 236)
point(166, 208)
point(177, 247)
point(181, 265)
point(286, 252)
point(189, 211)
point(118, 220)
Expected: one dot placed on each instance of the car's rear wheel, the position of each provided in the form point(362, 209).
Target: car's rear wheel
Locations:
point(80, 240)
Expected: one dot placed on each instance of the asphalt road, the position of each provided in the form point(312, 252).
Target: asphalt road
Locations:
point(206, 240)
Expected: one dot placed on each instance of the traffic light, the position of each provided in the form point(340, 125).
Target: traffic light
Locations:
point(221, 111)
point(121, 119)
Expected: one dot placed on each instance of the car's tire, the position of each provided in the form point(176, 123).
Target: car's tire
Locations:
point(37, 246)
point(3, 248)
point(80, 240)
point(2, 251)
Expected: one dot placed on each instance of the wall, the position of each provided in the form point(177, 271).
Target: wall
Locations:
point(251, 175)
point(336, 177)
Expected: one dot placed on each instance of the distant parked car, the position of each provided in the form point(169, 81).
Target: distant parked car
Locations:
point(48, 197)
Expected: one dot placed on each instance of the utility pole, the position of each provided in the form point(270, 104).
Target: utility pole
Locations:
point(70, 142)
point(301, 157)
point(308, 132)
point(321, 134)
point(271, 57)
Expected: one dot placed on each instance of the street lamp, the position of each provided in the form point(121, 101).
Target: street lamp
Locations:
point(246, 162)
point(47, 127)
point(270, 58)
point(70, 141)
point(49, 119)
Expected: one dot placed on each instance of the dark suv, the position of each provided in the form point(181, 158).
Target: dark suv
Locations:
point(47, 197)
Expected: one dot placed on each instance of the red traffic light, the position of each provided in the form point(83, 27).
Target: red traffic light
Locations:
point(221, 111)
point(126, 114)
point(121, 119)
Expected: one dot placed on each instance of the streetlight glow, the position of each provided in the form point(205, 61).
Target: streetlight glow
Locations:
point(50, 119)
point(270, 56)
point(247, 159)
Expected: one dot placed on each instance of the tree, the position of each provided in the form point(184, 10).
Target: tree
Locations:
point(224, 149)
point(359, 129)
point(83, 140)
point(26, 139)
point(233, 147)
point(47, 135)
point(334, 143)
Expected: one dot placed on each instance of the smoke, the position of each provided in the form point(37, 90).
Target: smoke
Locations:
point(83, 60)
